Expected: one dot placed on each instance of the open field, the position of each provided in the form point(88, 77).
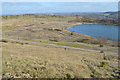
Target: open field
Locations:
point(24, 60)
point(44, 61)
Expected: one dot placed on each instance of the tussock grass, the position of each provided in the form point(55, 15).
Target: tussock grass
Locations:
point(25, 60)
point(42, 61)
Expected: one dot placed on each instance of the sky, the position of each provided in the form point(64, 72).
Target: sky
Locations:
point(16, 7)
point(60, 0)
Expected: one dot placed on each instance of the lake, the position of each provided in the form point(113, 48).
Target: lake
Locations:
point(96, 30)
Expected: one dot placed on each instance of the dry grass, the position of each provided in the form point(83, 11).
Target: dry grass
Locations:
point(51, 62)
point(43, 61)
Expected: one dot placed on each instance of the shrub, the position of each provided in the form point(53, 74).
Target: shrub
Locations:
point(71, 33)
point(42, 23)
point(101, 51)
point(101, 45)
point(82, 40)
point(29, 29)
point(20, 43)
point(69, 76)
point(57, 30)
point(103, 64)
point(96, 74)
point(26, 43)
point(105, 58)
point(5, 41)
point(53, 40)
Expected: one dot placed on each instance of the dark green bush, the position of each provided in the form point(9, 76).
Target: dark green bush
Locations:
point(69, 76)
point(82, 40)
point(57, 30)
point(5, 41)
point(101, 45)
point(103, 64)
point(53, 40)
point(101, 51)
point(96, 75)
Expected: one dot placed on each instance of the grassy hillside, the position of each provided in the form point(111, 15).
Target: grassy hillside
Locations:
point(26, 60)
point(43, 61)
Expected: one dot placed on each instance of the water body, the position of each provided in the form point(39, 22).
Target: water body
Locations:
point(96, 30)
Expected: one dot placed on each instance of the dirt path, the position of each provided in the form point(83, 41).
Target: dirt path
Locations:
point(61, 46)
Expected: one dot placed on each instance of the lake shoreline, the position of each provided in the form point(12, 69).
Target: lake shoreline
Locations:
point(86, 34)
point(68, 26)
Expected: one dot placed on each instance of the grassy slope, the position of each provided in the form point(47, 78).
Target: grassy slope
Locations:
point(41, 28)
point(47, 61)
